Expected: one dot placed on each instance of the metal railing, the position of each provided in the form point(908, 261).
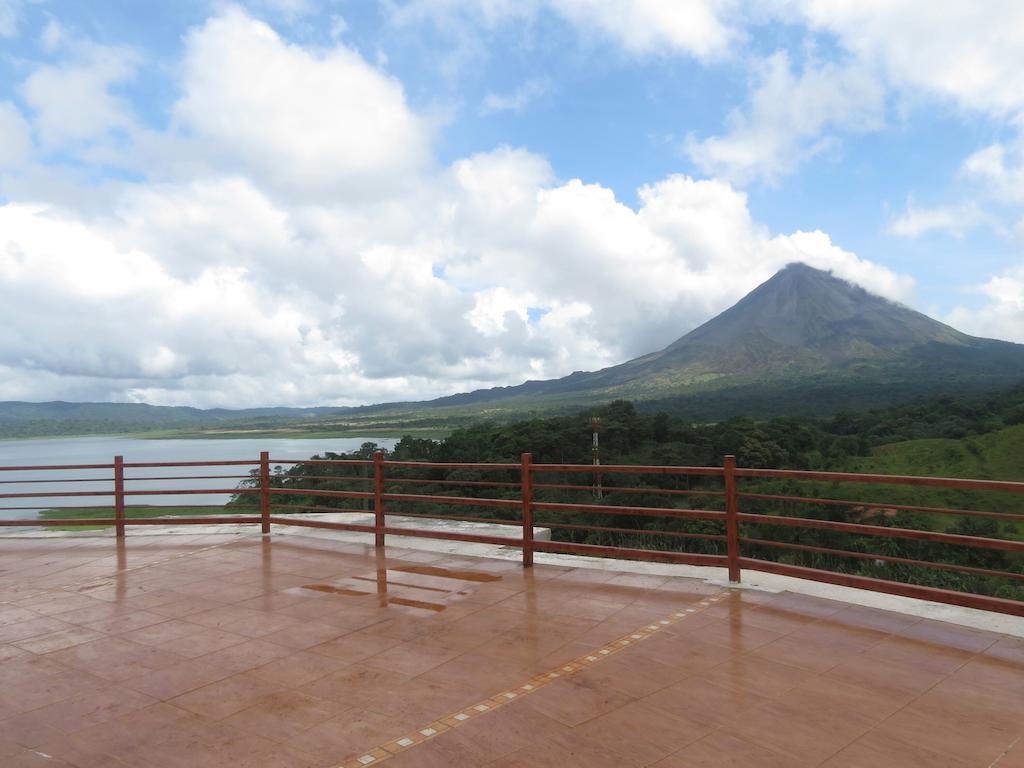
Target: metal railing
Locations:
point(700, 524)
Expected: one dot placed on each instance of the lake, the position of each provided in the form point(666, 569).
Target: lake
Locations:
point(101, 450)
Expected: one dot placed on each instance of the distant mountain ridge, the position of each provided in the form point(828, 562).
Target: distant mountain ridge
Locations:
point(804, 342)
point(803, 326)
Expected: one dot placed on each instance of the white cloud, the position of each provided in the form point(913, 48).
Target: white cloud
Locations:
point(699, 28)
point(786, 118)
point(969, 52)
point(694, 27)
point(517, 100)
point(15, 136)
point(9, 11)
point(72, 102)
point(1000, 168)
point(1002, 314)
point(311, 122)
point(956, 220)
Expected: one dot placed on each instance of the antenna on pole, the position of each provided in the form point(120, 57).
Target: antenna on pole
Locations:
point(595, 427)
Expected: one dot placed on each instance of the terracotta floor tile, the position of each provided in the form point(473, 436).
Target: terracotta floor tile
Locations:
point(298, 669)
point(55, 641)
point(284, 715)
point(355, 646)
point(412, 658)
point(720, 748)
point(224, 698)
point(704, 703)
point(92, 708)
point(876, 749)
point(575, 701)
point(166, 683)
point(808, 736)
point(350, 733)
point(755, 676)
point(245, 656)
point(641, 731)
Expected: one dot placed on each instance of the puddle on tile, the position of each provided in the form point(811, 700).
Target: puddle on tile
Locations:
point(446, 573)
point(437, 607)
point(393, 583)
point(334, 590)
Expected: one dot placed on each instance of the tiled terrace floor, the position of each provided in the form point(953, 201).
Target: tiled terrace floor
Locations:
point(212, 651)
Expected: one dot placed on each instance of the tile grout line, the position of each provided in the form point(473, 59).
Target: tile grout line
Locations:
point(393, 747)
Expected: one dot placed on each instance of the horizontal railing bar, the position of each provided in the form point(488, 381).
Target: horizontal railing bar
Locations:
point(878, 530)
point(881, 505)
point(70, 521)
point(469, 483)
point(317, 492)
point(181, 491)
point(128, 479)
point(47, 507)
point(60, 480)
point(935, 482)
point(886, 558)
point(55, 466)
point(624, 469)
point(966, 599)
point(182, 520)
point(557, 506)
point(55, 494)
point(286, 508)
point(451, 465)
point(327, 524)
point(625, 489)
point(218, 463)
point(468, 501)
point(686, 558)
point(472, 538)
point(216, 519)
point(458, 518)
point(328, 478)
point(600, 528)
point(326, 462)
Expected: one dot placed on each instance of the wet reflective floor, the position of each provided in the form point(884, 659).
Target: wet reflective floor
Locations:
point(302, 652)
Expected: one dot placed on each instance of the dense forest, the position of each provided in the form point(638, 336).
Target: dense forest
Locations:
point(974, 436)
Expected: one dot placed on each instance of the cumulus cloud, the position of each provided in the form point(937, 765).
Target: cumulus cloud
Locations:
point(1002, 313)
point(15, 136)
point(73, 102)
point(517, 100)
point(999, 168)
point(956, 220)
point(970, 53)
point(788, 117)
point(307, 121)
point(703, 29)
point(9, 17)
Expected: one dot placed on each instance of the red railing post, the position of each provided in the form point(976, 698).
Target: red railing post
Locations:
point(378, 498)
point(119, 496)
point(527, 494)
point(732, 526)
point(265, 491)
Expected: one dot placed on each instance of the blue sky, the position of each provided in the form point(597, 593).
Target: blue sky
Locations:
point(347, 202)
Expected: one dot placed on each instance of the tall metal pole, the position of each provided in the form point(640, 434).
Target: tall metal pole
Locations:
point(595, 426)
point(527, 495)
point(732, 526)
point(265, 492)
point(119, 496)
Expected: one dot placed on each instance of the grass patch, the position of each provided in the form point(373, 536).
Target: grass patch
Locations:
point(133, 512)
